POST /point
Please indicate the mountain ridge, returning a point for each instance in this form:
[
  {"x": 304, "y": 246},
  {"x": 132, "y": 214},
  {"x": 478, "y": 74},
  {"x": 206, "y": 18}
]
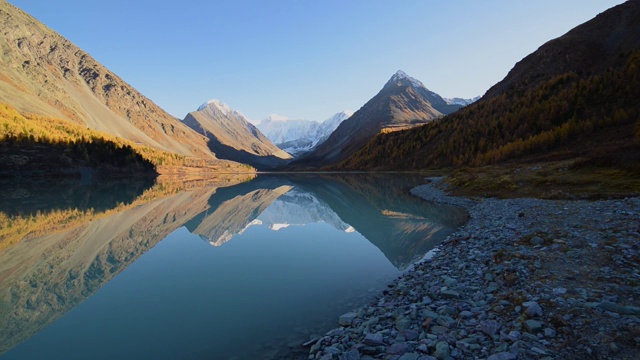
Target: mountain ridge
[
  {"x": 42, "y": 72},
  {"x": 297, "y": 136},
  {"x": 402, "y": 102},
  {"x": 232, "y": 136},
  {"x": 573, "y": 98}
]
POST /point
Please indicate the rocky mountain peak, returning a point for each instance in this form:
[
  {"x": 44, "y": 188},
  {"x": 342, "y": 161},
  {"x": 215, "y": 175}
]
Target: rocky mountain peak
[
  {"x": 402, "y": 77},
  {"x": 216, "y": 105},
  {"x": 232, "y": 136},
  {"x": 339, "y": 117}
]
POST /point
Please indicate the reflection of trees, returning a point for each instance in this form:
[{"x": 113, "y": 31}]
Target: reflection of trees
[
  {"x": 68, "y": 254},
  {"x": 50, "y": 271},
  {"x": 32, "y": 209}
]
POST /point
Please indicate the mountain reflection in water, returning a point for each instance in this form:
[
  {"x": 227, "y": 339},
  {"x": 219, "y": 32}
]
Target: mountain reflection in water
[{"x": 47, "y": 274}]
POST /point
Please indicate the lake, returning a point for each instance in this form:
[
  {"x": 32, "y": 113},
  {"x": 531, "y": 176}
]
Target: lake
[{"x": 232, "y": 268}]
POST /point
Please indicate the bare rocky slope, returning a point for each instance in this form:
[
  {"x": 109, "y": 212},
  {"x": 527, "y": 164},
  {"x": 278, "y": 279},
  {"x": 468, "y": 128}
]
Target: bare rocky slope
[
  {"x": 42, "y": 72},
  {"x": 231, "y": 136}
]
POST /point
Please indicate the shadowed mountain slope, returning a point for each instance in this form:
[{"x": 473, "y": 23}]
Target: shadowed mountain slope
[{"x": 403, "y": 102}]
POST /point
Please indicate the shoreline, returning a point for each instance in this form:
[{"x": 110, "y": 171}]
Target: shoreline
[{"x": 523, "y": 279}]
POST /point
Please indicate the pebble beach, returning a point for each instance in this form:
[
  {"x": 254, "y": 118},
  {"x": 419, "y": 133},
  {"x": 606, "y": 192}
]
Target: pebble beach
[{"x": 523, "y": 279}]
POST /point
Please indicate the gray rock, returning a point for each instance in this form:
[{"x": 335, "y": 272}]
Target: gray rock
[
  {"x": 502, "y": 356},
  {"x": 373, "y": 339},
  {"x": 426, "y": 357},
  {"x": 411, "y": 335},
  {"x": 314, "y": 349},
  {"x": 559, "y": 291},
  {"x": 549, "y": 333},
  {"x": 449, "y": 294},
  {"x": 429, "y": 314},
  {"x": 532, "y": 309},
  {"x": 371, "y": 322},
  {"x": 478, "y": 296},
  {"x": 398, "y": 348},
  {"x": 493, "y": 287},
  {"x": 533, "y": 326},
  {"x": 403, "y": 324},
  {"x": 333, "y": 349},
  {"x": 410, "y": 356},
  {"x": 371, "y": 350},
  {"x": 442, "y": 350},
  {"x": 536, "y": 240},
  {"x": 450, "y": 282},
  {"x": 347, "y": 319},
  {"x": 514, "y": 335},
  {"x": 490, "y": 327},
  {"x": 438, "y": 330},
  {"x": 310, "y": 342},
  {"x": 633, "y": 309},
  {"x": 613, "y": 307},
  {"x": 466, "y": 314},
  {"x": 352, "y": 354}
]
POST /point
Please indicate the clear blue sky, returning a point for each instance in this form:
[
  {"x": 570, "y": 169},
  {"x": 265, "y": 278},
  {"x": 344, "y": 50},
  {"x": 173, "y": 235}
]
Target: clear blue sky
[{"x": 303, "y": 58}]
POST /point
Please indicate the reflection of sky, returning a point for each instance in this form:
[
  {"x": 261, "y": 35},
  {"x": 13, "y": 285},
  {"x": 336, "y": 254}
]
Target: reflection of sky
[{"x": 185, "y": 299}]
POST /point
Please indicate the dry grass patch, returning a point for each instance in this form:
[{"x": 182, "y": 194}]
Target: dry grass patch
[{"x": 548, "y": 180}]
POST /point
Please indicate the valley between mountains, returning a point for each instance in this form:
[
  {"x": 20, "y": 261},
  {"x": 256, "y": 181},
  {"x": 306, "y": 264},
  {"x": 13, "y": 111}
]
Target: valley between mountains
[
  {"x": 577, "y": 115},
  {"x": 544, "y": 167}
]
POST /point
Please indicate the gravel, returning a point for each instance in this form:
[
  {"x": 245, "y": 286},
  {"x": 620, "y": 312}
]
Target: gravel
[{"x": 523, "y": 279}]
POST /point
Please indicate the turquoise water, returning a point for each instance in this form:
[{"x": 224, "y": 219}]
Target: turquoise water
[{"x": 247, "y": 271}]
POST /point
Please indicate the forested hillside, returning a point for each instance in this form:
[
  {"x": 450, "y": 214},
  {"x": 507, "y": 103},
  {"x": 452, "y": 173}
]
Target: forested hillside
[
  {"x": 42, "y": 145},
  {"x": 565, "y": 111},
  {"x": 576, "y": 97}
]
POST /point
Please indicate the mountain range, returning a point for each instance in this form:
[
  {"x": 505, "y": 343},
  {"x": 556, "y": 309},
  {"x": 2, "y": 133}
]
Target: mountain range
[
  {"x": 297, "y": 136},
  {"x": 575, "y": 98},
  {"x": 461, "y": 101},
  {"x": 43, "y": 73},
  {"x": 403, "y": 102}
]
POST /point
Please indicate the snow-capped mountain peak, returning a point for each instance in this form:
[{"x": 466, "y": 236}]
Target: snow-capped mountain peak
[
  {"x": 297, "y": 136},
  {"x": 461, "y": 101},
  {"x": 400, "y": 75},
  {"x": 339, "y": 117},
  {"x": 222, "y": 107}
]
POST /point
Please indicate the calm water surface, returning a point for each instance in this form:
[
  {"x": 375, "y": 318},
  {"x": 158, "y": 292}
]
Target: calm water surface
[{"x": 241, "y": 271}]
